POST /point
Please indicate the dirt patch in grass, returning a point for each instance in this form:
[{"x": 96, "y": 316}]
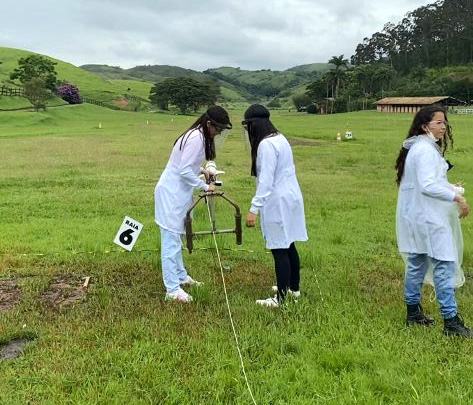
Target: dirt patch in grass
[
  {"x": 9, "y": 294},
  {"x": 383, "y": 285},
  {"x": 121, "y": 102},
  {"x": 304, "y": 142},
  {"x": 64, "y": 290},
  {"x": 7, "y": 262},
  {"x": 246, "y": 278},
  {"x": 12, "y": 349}
]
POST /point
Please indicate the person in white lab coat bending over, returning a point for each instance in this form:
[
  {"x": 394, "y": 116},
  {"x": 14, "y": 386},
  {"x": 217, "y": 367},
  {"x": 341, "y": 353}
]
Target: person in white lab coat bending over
[
  {"x": 173, "y": 194},
  {"x": 278, "y": 200},
  {"x": 427, "y": 220}
]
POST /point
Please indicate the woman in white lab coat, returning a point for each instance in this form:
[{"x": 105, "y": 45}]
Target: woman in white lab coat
[
  {"x": 173, "y": 194},
  {"x": 278, "y": 200},
  {"x": 427, "y": 220}
]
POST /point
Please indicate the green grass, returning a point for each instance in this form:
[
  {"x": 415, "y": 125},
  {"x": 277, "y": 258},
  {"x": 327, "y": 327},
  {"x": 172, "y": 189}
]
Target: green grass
[
  {"x": 66, "y": 186},
  {"x": 135, "y": 87},
  {"x": 230, "y": 95},
  {"x": 16, "y": 103},
  {"x": 13, "y": 103}
]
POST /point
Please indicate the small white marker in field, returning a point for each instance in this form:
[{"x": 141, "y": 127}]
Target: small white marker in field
[
  {"x": 172, "y": 119},
  {"x": 147, "y": 122},
  {"x": 100, "y": 125},
  {"x": 86, "y": 282},
  {"x": 128, "y": 233}
]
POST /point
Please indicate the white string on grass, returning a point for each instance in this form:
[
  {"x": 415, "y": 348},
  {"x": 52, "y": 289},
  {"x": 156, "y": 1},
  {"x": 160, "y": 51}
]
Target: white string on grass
[
  {"x": 318, "y": 285},
  {"x": 230, "y": 312}
]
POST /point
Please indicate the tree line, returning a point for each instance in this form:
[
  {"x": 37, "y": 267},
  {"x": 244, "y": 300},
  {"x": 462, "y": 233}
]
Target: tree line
[
  {"x": 436, "y": 35},
  {"x": 430, "y": 52}
]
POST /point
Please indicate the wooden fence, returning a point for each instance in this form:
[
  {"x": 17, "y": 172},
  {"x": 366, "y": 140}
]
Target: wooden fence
[
  {"x": 12, "y": 91},
  {"x": 135, "y": 98},
  {"x": 19, "y": 92},
  {"x": 99, "y": 103},
  {"x": 465, "y": 111}
]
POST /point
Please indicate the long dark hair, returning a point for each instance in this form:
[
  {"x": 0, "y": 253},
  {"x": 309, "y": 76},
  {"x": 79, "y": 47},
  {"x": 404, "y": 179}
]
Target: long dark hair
[
  {"x": 423, "y": 117},
  {"x": 219, "y": 118},
  {"x": 259, "y": 127}
]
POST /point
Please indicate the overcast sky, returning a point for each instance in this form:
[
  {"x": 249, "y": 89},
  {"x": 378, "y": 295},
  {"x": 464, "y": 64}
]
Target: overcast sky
[{"x": 257, "y": 34}]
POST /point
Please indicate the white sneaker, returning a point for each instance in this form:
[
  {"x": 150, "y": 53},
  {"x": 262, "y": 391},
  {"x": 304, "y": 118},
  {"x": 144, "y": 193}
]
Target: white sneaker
[
  {"x": 269, "y": 302},
  {"x": 179, "y": 295},
  {"x": 190, "y": 281},
  {"x": 295, "y": 294}
]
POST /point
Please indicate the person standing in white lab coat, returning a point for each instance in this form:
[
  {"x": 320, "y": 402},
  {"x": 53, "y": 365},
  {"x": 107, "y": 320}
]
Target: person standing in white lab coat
[
  {"x": 173, "y": 195},
  {"x": 278, "y": 200},
  {"x": 427, "y": 220}
]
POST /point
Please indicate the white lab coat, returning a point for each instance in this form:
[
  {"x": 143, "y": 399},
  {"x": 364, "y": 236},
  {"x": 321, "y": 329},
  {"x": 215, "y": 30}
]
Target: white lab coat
[
  {"x": 427, "y": 219},
  {"x": 278, "y": 198},
  {"x": 173, "y": 192}
]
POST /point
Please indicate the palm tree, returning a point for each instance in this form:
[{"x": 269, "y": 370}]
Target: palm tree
[
  {"x": 383, "y": 75},
  {"x": 341, "y": 65}
]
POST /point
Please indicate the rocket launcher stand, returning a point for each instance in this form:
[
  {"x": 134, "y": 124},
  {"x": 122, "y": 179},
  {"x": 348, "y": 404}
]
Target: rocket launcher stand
[{"x": 209, "y": 199}]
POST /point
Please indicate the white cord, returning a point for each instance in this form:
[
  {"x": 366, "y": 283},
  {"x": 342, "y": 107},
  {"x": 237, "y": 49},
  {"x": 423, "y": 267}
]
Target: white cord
[
  {"x": 318, "y": 285},
  {"x": 230, "y": 312}
]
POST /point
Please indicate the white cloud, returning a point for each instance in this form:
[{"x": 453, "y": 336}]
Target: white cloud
[{"x": 256, "y": 34}]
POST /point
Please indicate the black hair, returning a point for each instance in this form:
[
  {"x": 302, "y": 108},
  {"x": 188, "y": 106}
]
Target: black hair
[
  {"x": 219, "y": 118},
  {"x": 259, "y": 127},
  {"x": 423, "y": 117}
]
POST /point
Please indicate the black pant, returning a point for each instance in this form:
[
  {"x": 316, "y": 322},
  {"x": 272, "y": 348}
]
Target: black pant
[{"x": 286, "y": 264}]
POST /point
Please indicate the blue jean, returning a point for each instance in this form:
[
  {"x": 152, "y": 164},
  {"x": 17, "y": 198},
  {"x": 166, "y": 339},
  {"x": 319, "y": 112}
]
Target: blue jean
[
  {"x": 443, "y": 272},
  {"x": 172, "y": 265}
]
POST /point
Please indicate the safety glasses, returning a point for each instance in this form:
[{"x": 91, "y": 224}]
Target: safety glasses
[{"x": 438, "y": 123}]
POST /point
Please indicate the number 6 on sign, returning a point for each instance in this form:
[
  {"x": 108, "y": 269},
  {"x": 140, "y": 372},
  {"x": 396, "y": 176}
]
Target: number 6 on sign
[{"x": 128, "y": 233}]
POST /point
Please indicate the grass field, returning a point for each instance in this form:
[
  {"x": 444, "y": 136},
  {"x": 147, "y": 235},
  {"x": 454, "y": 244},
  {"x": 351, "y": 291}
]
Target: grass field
[{"x": 65, "y": 186}]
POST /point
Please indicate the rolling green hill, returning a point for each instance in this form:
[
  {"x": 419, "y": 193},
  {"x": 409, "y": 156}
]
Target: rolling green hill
[
  {"x": 150, "y": 73},
  {"x": 310, "y": 69},
  {"x": 266, "y": 83},
  {"x": 90, "y": 85},
  {"x": 110, "y": 83},
  {"x": 157, "y": 73},
  {"x": 237, "y": 85}
]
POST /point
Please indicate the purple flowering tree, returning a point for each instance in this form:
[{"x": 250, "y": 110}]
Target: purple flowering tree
[{"x": 69, "y": 93}]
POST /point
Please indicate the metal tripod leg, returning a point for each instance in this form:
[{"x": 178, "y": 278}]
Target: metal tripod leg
[{"x": 210, "y": 199}]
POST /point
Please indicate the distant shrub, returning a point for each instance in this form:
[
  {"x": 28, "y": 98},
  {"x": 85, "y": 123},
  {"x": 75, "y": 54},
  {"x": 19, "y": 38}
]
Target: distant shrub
[
  {"x": 301, "y": 101},
  {"x": 274, "y": 103},
  {"x": 312, "y": 109},
  {"x": 68, "y": 92}
]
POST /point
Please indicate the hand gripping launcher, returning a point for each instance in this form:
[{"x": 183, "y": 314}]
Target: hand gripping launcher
[{"x": 209, "y": 198}]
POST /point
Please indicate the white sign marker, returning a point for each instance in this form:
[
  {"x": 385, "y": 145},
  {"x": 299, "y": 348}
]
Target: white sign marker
[{"x": 128, "y": 233}]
